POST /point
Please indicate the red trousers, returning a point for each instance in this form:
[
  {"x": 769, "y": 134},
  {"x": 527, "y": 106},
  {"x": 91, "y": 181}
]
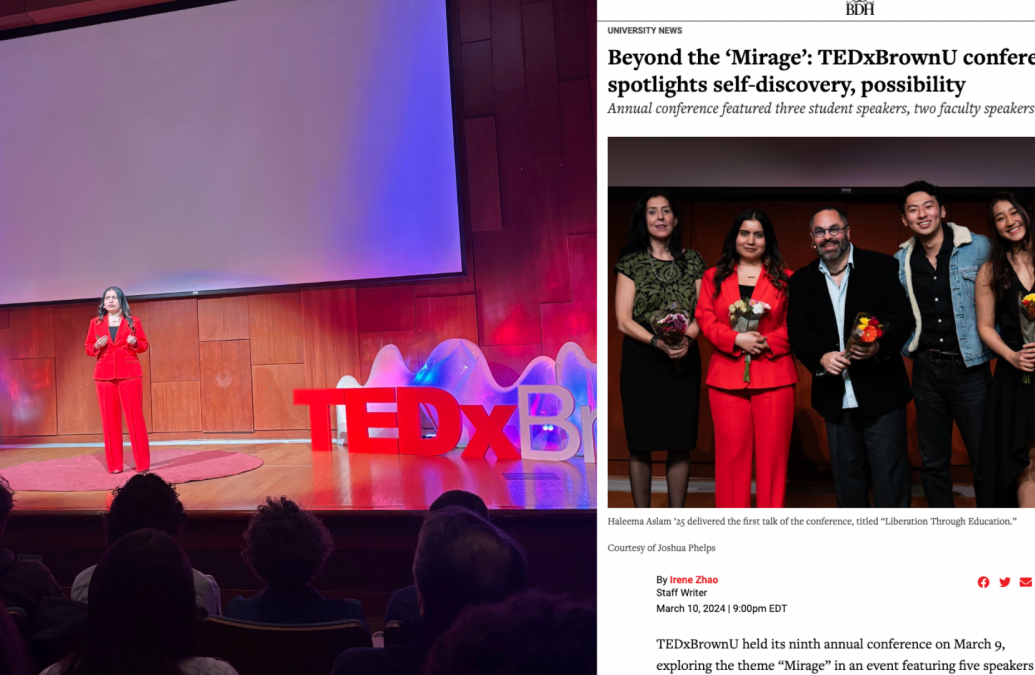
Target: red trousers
[
  {"x": 751, "y": 418},
  {"x": 115, "y": 396}
]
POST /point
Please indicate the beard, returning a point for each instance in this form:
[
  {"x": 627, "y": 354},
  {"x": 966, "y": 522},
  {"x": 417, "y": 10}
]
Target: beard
[{"x": 832, "y": 254}]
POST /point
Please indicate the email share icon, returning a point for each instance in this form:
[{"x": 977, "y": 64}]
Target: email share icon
[{"x": 1025, "y": 582}]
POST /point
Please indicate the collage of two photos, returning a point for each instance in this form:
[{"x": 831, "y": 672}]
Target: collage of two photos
[{"x": 298, "y": 345}]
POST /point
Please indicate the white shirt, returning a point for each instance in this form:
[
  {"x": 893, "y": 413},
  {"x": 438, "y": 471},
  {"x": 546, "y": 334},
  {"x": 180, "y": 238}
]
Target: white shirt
[
  {"x": 206, "y": 590},
  {"x": 837, "y": 298}
]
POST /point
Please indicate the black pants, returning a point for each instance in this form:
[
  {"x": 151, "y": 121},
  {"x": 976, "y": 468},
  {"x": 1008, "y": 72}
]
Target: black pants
[
  {"x": 878, "y": 443},
  {"x": 946, "y": 391}
]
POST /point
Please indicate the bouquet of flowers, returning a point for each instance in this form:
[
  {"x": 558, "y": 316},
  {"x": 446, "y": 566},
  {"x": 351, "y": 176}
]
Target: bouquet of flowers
[
  {"x": 670, "y": 325},
  {"x": 744, "y": 318},
  {"x": 866, "y": 329},
  {"x": 1027, "y": 306}
]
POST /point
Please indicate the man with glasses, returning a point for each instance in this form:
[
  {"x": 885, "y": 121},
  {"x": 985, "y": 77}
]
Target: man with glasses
[
  {"x": 861, "y": 393},
  {"x": 951, "y": 376}
]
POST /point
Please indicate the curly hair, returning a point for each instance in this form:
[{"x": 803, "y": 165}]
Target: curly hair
[
  {"x": 285, "y": 545},
  {"x": 144, "y": 501},
  {"x": 6, "y": 501},
  {"x": 529, "y": 634}
]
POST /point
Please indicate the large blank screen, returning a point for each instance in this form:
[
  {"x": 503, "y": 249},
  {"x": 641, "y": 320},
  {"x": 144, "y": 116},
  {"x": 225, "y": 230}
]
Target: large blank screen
[{"x": 245, "y": 144}]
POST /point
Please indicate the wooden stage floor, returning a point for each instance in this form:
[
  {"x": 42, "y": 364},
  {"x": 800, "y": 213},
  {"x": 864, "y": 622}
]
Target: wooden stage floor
[{"x": 341, "y": 481}]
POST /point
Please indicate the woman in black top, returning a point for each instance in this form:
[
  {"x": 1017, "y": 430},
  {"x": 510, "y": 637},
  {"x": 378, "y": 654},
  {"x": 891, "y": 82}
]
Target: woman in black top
[
  {"x": 1008, "y": 447},
  {"x": 660, "y": 402}
]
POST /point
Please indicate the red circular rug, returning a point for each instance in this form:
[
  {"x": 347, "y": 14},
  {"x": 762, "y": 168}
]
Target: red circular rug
[{"x": 89, "y": 472}]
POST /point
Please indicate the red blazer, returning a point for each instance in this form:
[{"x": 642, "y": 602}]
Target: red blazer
[
  {"x": 775, "y": 367},
  {"x": 116, "y": 360}
]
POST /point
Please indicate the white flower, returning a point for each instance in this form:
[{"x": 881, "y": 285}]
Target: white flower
[{"x": 759, "y": 309}]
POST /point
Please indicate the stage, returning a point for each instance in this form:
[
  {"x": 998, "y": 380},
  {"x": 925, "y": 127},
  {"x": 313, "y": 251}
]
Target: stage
[
  {"x": 372, "y": 504},
  {"x": 338, "y": 480}
]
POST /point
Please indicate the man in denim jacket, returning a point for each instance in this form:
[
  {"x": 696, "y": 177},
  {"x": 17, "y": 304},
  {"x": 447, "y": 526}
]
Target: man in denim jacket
[{"x": 951, "y": 376}]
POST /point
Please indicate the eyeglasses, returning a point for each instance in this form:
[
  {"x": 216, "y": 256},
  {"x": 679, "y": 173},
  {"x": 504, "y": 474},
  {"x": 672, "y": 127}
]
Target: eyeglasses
[{"x": 819, "y": 232}]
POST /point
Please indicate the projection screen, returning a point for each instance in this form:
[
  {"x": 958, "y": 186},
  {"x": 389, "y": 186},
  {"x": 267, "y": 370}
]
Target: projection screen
[{"x": 246, "y": 144}]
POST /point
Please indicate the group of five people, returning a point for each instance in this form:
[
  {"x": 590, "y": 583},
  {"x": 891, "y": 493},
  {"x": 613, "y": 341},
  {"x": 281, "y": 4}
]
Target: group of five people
[{"x": 950, "y": 299}]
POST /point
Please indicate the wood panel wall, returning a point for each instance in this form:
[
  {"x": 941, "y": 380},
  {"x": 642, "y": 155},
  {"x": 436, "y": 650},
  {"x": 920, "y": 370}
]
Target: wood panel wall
[
  {"x": 874, "y": 226},
  {"x": 226, "y": 365}
]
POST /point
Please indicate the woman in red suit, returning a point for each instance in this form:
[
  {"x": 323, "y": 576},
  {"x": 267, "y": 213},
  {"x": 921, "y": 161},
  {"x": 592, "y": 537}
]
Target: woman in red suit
[
  {"x": 115, "y": 338},
  {"x": 756, "y": 414}
]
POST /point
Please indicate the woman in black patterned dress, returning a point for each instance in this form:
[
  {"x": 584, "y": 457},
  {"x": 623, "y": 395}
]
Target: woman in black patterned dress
[{"x": 660, "y": 401}]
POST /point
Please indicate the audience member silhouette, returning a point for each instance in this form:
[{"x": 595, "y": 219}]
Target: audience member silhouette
[
  {"x": 403, "y": 604},
  {"x": 23, "y": 584},
  {"x": 286, "y": 547},
  {"x": 461, "y": 560},
  {"x": 147, "y": 501},
  {"x": 529, "y": 634},
  {"x": 141, "y": 615}
]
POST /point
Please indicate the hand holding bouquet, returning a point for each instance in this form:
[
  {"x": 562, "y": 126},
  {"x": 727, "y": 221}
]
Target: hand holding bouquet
[
  {"x": 866, "y": 330},
  {"x": 1026, "y": 303},
  {"x": 744, "y": 318},
  {"x": 670, "y": 325}
]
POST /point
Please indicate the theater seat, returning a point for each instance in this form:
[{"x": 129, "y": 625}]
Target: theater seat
[
  {"x": 274, "y": 649},
  {"x": 398, "y": 633},
  {"x": 19, "y": 618},
  {"x": 393, "y": 634}
]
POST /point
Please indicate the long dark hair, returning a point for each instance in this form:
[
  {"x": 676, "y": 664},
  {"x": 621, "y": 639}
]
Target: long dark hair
[
  {"x": 141, "y": 616},
  {"x": 771, "y": 259},
  {"x": 1001, "y": 248},
  {"x": 123, "y": 306},
  {"x": 639, "y": 240}
]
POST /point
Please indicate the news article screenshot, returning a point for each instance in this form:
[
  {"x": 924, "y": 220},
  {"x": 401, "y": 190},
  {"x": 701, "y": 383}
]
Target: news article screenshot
[{"x": 819, "y": 294}]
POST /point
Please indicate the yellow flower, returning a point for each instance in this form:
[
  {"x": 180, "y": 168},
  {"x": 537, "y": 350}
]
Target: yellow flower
[
  {"x": 864, "y": 322},
  {"x": 1030, "y": 297}
]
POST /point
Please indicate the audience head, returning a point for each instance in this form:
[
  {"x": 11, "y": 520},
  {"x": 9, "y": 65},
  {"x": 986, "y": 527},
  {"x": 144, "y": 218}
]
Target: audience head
[
  {"x": 529, "y": 634},
  {"x": 285, "y": 545},
  {"x": 463, "y": 499},
  {"x": 6, "y": 502},
  {"x": 141, "y": 611},
  {"x": 144, "y": 501},
  {"x": 463, "y": 560}
]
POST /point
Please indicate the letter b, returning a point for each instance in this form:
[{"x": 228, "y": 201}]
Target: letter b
[{"x": 527, "y": 421}]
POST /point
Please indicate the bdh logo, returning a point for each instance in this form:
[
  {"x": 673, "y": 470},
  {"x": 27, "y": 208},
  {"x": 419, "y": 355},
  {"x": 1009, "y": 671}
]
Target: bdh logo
[{"x": 859, "y": 8}]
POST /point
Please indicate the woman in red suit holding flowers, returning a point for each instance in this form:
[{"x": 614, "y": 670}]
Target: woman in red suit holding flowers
[
  {"x": 115, "y": 338},
  {"x": 751, "y": 374}
]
